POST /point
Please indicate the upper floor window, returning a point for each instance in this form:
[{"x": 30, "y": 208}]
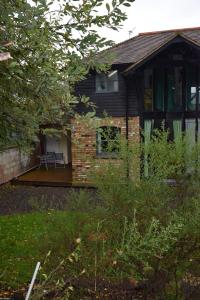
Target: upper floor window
[
  {"x": 172, "y": 89},
  {"x": 107, "y": 140},
  {"x": 192, "y": 88},
  {"x": 175, "y": 89},
  {"x": 148, "y": 89},
  {"x": 107, "y": 83}
]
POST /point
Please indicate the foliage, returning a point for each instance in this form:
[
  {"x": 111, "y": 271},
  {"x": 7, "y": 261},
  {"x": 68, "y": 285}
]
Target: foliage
[
  {"x": 146, "y": 232},
  {"x": 84, "y": 200},
  {"x": 155, "y": 224},
  {"x": 53, "y": 45}
]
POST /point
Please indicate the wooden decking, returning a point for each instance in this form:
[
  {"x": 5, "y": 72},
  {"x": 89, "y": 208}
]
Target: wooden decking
[{"x": 42, "y": 177}]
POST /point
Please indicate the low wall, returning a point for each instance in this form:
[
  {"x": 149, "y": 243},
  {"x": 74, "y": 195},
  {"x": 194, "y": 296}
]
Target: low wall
[{"x": 12, "y": 163}]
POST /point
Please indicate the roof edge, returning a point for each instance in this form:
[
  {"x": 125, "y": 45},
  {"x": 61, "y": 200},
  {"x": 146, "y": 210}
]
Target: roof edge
[
  {"x": 146, "y": 57},
  {"x": 152, "y": 52},
  {"x": 178, "y": 30}
]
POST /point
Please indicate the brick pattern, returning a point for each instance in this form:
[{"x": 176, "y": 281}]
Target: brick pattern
[
  {"x": 84, "y": 143},
  {"x": 12, "y": 163}
]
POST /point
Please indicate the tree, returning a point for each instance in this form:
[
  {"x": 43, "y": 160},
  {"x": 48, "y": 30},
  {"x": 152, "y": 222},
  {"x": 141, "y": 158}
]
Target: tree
[{"x": 53, "y": 45}]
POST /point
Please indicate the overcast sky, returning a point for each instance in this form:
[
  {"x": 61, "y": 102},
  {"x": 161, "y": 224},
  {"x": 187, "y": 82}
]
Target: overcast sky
[{"x": 152, "y": 15}]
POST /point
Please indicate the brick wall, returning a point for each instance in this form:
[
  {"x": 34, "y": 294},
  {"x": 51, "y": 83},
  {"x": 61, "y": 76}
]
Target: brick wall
[
  {"x": 84, "y": 143},
  {"x": 12, "y": 163}
]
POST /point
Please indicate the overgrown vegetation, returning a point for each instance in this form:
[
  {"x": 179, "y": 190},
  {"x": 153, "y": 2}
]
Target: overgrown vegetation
[
  {"x": 53, "y": 45},
  {"x": 146, "y": 231},
  {"x": 156, "y": 218}
]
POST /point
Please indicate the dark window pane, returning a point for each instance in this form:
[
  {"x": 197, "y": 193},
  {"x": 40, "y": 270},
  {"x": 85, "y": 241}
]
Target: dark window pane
[
  {"x": 191, "y": 88},
  {"x": 170, "y": 90},
  {"x": 178, "y": 88},
  {"x": 101, "y": 83},
  {"x": 148, "y": 90},
  {"x": 159, "y": 81},
  {"x": 175, "y": 89},
  {"x": 106, "y": 83}
]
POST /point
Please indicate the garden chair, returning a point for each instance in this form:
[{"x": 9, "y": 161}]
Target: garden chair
[
  {"x": 59, "y": 160},
  {"x": 51, "y": 158}
]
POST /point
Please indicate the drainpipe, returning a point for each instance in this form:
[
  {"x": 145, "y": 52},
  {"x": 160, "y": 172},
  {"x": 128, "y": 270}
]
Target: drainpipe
[{"x": 127, "y": 124}]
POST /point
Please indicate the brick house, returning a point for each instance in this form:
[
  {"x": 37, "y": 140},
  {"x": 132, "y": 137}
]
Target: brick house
[{"x": 155, "y": 77}]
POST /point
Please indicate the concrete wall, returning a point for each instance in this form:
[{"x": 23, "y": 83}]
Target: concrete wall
[{"x": 12, "y": 163}]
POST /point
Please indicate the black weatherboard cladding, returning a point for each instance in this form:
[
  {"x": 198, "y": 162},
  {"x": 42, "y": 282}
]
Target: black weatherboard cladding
[
  {"x": 128, "y": 55},
  {"x": 114, "y": 103}
]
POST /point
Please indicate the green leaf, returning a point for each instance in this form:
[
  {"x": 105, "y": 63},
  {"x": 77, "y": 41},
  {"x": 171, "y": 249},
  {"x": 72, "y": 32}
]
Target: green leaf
[{"x": 108, "y": 7}]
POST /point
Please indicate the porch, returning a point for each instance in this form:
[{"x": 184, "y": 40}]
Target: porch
[{"x": 46, "y": 177}]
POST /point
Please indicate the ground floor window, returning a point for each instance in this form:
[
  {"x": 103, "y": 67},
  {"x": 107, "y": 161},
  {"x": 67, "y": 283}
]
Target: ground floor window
[
  {"x": 189, "y": 127},
  {"x": 107, "y": 140}
]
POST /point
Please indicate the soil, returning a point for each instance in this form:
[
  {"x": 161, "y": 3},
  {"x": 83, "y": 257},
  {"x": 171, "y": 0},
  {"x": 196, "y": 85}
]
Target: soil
[
  {"x": 85, "y": 289},
  {"x": 23, "y": 199}
]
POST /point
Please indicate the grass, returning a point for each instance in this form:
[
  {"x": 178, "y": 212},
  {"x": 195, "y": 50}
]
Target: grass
[{"x": 26, "y": 239}]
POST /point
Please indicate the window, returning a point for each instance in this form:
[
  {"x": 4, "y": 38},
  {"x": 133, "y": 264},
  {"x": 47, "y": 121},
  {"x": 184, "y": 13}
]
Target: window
[
  {"x": 177, "y": 129},
  {"x": 107, "y": 83},
  {"x": 159, "y": 83},
  {"x": 175, "y": 89},
  {"x": 190, "y": 132},
  {"x": 107, "y": 140},
  {"x": 148, "y": 90},
  {"x": 191, "y": 87}
]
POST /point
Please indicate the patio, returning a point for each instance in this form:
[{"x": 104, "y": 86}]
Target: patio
[{"x": 43, "y": 177}]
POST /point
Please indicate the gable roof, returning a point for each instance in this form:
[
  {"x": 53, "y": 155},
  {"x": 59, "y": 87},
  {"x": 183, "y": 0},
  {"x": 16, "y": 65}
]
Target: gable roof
[{"x": 142, "y": 46}]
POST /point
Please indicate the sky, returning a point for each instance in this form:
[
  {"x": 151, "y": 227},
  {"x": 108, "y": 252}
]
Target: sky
[{"x": 152, "y": 15}]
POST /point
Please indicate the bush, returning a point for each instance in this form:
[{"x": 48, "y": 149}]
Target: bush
[{"x": 155, "y": 225}]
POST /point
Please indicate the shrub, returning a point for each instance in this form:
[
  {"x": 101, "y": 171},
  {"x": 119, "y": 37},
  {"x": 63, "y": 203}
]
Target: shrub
[{"x": 155, "y": 225}]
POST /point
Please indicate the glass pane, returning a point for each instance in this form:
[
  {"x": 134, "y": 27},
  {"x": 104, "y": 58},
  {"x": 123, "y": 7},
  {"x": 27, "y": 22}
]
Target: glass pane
[
  {"x": 177, "y": 129},
  {"x": 175, "y": 89},
  {"x": 112, "y": 86},
  {"x": 148, "y": 126},
  {"x": 190, "y": 132},
  {"x": 170, "y": 90},
  {"x": 159, "y": 81},
  {"x": 191, "y": 87},
  {"x": 108, "y": 139},
  {"x": 107, "y": 82},
  {"x": 101, "y": 83},
  {"x": 113, "y": 81},
  {"x": 148, "y": 90},
  {"x": 178, "y": 88},
  {"x": 115, "y": 86}
]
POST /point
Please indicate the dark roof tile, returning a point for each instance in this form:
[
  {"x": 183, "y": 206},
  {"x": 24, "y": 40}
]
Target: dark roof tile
[{"x": 141, "y": 46}]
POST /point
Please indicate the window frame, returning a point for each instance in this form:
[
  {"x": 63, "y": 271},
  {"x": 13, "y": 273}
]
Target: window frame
[
  {"x": 100, "y": 153},
  {"x": 107, "y": 80}
]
